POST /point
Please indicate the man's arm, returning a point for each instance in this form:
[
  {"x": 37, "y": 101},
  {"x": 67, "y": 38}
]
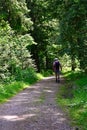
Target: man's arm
[
  {"x": 54, "y": 66},
  {"x": 61, "y": 67}
]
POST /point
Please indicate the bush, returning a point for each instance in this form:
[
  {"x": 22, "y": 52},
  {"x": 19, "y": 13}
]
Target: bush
[
  {"x": 29, "y": 75},
  {"x": 76, "y": 104},
  {"x": 46, "y": 73},
  {"x": 18, "y": 82}
]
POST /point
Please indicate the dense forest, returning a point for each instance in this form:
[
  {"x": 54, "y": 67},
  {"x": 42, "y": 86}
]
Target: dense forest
[{"x": 33, "y": 32}]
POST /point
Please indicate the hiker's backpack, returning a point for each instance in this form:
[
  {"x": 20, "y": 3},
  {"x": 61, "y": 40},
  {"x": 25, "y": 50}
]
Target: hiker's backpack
[{"x": 57, "y": 64}]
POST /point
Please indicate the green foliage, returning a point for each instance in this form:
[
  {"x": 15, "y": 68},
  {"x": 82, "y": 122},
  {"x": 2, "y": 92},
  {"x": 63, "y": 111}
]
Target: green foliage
[
  {"x": 44, "y": 28},
  {"x": 13, "y": 51},
  {"x": 70, "y": 75},
  {"x": 46, "y": 73},
  {"x": 22, "y": 80},
  {"x": 28, "y": 75},
  {"x": 8, "y": 90},
  {"x": 61, "y": 23},
  {"x": 15, "y": 12},
  {"x": 73, "y": 96},
  {"x": 13, "y": 44},
  {"x": 72, "y": 16}
]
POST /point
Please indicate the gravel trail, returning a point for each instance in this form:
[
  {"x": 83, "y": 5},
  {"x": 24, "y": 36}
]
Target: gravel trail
[{"x": 34, "y": 109}]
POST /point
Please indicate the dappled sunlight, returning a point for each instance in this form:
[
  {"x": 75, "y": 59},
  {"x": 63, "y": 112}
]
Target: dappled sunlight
[
  {"x": 38, "y": 92},
  {"x": 16, "y": 117},
  {"x": 59, "y": 121},
  {"x": 24, "y": 94},
  {"x": 49, "y": 91},
  {"x": 49, "y": 78},
  {"x": 35, "y": 106},
  {"x": 58, "y": 114},
  {"x": 35, "y": 114},
  {"x": 62, "y": 119}
]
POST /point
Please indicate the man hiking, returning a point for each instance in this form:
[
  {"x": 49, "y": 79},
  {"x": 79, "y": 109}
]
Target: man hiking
[{"x": 56, "y": 67}]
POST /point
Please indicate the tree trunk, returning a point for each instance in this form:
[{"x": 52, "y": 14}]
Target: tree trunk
[{"x": 73, "y": 66}]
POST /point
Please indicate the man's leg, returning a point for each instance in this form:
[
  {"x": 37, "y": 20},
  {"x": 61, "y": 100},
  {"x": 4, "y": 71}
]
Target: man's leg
[{"x": 58, "y": 77}]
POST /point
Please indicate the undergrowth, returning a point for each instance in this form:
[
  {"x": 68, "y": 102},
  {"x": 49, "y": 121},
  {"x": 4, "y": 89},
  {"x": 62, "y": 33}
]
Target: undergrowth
[
  {"x": 73, "y": 97},
  {"x": 13, "y": 85},
  {"x": 21, "y": 80}
]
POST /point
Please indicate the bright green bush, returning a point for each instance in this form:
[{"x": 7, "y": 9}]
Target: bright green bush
[
  {"x": 19, "y": 81},
  {"x": 28, "y": 75},
  {"x": 46, "y": 73}
]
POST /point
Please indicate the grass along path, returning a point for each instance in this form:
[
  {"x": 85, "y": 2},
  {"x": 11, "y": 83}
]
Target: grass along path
[
  {"x": 72, "y": 97},
  {"x": 34, "y": 108},
  {"x": 9, "y": 89}
]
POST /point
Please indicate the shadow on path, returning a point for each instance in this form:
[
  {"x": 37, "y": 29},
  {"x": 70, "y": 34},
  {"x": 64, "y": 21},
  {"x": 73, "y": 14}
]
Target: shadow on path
[{"x": 34, "y": 109}]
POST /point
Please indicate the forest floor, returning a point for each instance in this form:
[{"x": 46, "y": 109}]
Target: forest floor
[{"x": 35, "y": 108}]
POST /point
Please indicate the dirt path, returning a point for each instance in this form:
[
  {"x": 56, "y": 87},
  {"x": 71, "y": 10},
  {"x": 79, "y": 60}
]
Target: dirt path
[{"x": 34, "y": 109}]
